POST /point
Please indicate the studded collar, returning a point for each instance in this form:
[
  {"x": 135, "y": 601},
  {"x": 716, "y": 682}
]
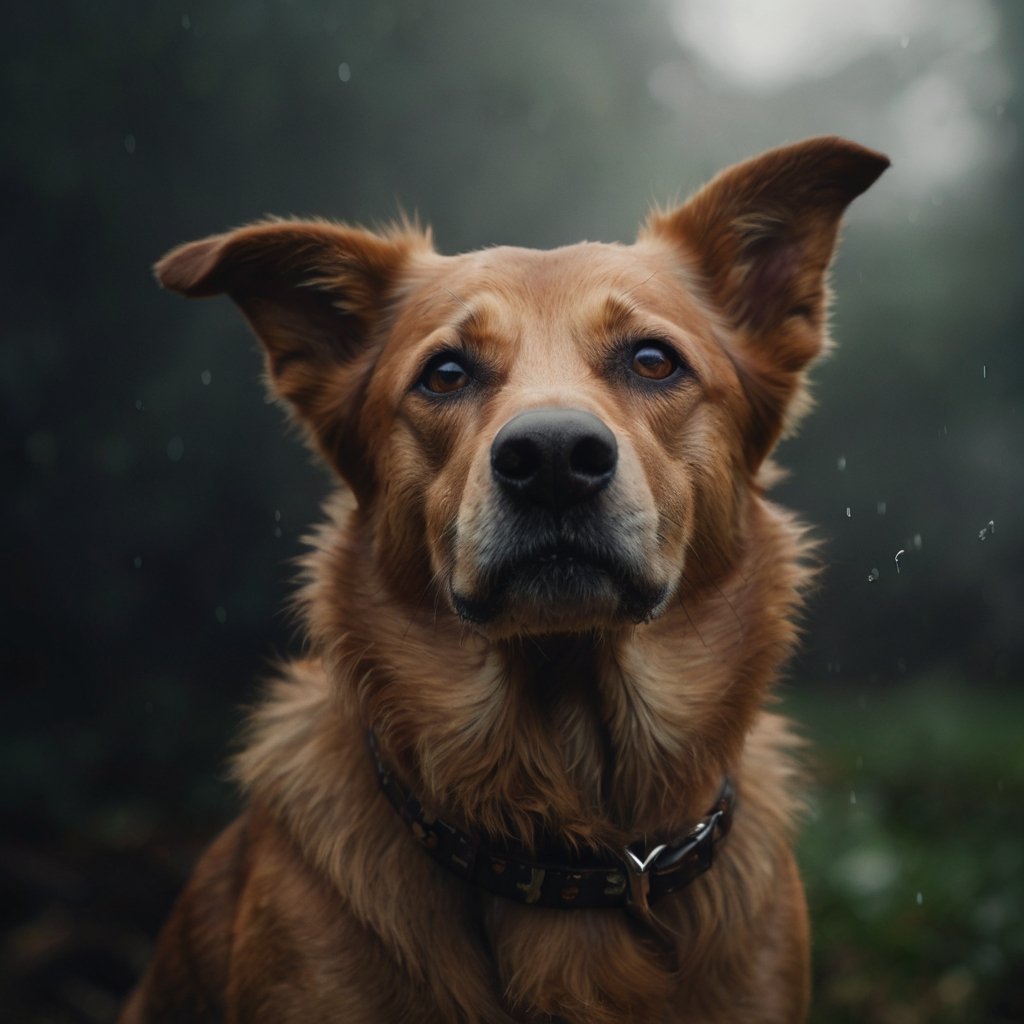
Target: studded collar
[{"x": 634, "y": 881}]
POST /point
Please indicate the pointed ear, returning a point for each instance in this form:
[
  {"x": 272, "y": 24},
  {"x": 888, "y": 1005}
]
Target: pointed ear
[
  {"x": 315, "y": 293},
  {"x": 761, "y": 235}
]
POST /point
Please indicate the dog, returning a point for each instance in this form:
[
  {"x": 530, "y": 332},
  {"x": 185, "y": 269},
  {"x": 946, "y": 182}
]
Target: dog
[{"x": 527, "y": 770}]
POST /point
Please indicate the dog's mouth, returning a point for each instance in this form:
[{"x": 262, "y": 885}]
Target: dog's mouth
[{"x": 560, "y": 585}]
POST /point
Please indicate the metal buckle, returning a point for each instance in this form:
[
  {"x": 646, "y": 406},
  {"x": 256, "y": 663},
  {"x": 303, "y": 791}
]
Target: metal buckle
[{"x": 638, "y": 896}]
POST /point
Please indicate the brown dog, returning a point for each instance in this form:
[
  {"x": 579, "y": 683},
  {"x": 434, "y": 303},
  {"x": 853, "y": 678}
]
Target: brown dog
[{"x": 544, "y": 618}]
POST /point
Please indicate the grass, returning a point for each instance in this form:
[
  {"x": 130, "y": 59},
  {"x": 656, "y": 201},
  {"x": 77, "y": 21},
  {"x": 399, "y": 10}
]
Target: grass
[{"x": 913, "y": 853}]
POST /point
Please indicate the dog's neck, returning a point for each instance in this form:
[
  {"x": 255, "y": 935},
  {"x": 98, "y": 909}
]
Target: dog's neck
[{"x": 595, "y": 738}]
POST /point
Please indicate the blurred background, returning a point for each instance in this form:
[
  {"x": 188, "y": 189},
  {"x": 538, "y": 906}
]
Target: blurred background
[{"x": 153, "y": 502}]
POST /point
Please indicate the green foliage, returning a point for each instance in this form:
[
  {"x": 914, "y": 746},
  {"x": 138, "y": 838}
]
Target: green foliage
[{"x": 913, "y": 856}]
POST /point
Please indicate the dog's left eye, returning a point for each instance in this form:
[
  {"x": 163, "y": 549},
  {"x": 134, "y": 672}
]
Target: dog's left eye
[
  {"x": 444, "y": 376},
  {"x": 654, "y": 362}
]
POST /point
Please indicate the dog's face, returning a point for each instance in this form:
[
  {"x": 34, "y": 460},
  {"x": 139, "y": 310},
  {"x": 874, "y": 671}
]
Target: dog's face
[
  {"x": 550, "y": 416},
  {"x": 551, "y": 442}
]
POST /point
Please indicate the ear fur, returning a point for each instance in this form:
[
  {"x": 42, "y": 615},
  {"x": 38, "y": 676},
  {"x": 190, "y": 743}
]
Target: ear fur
[
  {"x": 315, "y": 294},
  {"x": 762, "y": 234}
]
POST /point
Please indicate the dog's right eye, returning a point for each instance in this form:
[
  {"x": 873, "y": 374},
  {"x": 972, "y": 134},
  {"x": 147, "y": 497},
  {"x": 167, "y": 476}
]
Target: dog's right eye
[
  {"x": 444, "y": 376},
  {"x": 654, "y": 361}
]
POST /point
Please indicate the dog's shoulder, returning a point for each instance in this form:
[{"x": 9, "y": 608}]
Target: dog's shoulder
[{"x": 189, "y": 975}]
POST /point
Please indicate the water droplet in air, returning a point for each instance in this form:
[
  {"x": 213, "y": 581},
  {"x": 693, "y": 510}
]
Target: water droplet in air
[
  {"x": 129, "y": 144},
  {"x": 849, "y": 512},
  {"x": 220, "y": 614},
  {"x": 841, "y": 463},
  {"x": 853, "y": 797},
  {"x": 138, "y": 404},
  {"x": 917, "y": 542},
  {"x": 880, "y": 508},
  {"x": 873, "y": 575},
  {"x": 206, "y": 377},
  {"x": 904, "y": 42},
  {"x": 344, "y": 73},
  {"x": 899, "y": 554},
  {"x": 984, "y": 371},
  {"x": 137, "y": 561},
  {"x": 986, "y": 531},
  {"x": 920, "y": 898},
  {"x": 175, "y": 449},
  {"x": 186, "y": 22}
]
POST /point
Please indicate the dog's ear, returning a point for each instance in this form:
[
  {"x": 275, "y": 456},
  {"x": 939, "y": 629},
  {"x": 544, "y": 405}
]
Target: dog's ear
[
  {"x": 316, "y": 295},
  {"x": 762, "y": 234}
]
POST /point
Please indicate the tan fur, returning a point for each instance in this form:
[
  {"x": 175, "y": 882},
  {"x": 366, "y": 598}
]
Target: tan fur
[{"x": 547, "y": 719}]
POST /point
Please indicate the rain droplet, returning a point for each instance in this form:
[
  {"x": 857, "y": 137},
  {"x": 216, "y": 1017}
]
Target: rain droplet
[
  {"x": 853, "y": 797},
  {"x": 849, "y": 512},
  {"x": 129, "y": 144},
  {"x": 917, "y": 542},
  {"x": 873, "y": 575},
  {"x": 138, "y": 404},
  {"x": 984, "y": 372},
  {"x": 899, "y": 555},
  {"x": 220, "y": 614},
  {"x": 880, "y": 508},
  {"x": 175, "y": 449},
  {"x": 344, "y": 73},
  {"x": 841, "y": 463},
  {"x": 206, "y": 377},
  {"x": 186, "y": 22},
  {"x": 137, "y": 561},
  {"x": 904, "y": 42},
  {"x": 986, "y": 531},
  {"x": 277, "y": 515},
  {"x": 920, "y": 898}
]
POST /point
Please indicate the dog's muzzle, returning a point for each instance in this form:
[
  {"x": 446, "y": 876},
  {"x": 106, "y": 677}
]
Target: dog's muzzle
[{"x": 555, "y": 550}]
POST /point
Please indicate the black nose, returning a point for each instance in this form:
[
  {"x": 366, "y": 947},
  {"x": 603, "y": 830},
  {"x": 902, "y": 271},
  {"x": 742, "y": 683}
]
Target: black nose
[{"x": 554, "y": 457}]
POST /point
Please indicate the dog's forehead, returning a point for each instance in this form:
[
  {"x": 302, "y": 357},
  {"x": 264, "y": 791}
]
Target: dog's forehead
[{"x": 512, "y": 287}]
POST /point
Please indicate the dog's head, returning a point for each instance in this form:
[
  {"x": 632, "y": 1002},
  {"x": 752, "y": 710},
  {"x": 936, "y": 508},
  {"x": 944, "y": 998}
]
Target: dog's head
[{"x": 557, "y": 441}]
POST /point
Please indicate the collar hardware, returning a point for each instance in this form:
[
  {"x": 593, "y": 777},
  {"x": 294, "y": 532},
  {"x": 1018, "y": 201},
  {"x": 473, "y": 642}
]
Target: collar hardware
[{"x": 634, "y": 882}]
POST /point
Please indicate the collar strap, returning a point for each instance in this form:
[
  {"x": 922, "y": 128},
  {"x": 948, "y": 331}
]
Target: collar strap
[{"x": 634, "y": 881}]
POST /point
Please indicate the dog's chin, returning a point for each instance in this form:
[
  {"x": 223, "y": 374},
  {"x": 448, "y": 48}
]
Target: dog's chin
[{"x": 558, "y": 595}]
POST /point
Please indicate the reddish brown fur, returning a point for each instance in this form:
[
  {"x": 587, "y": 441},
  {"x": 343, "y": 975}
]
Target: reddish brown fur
[{"x": 317, "y": 905}]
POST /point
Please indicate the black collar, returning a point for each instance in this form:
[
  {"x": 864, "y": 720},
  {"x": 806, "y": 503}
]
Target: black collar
[{"x": 634, "y": 881}]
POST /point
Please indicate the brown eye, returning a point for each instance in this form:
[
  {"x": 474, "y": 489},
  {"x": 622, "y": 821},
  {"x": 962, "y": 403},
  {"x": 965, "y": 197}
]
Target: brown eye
[
  {"x": 445, "y": 377},
  {"x": 654, "y": 362}
]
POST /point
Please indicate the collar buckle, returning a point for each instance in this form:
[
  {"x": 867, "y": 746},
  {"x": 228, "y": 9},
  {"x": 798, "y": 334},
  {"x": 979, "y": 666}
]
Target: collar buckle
[{"x": 638, "y": 894}]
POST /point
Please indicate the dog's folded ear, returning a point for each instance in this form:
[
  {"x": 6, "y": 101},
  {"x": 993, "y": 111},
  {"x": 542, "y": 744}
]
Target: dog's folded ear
[
  {"x": 762, "y": 234},
  {"x": 316, "y": 294}
]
